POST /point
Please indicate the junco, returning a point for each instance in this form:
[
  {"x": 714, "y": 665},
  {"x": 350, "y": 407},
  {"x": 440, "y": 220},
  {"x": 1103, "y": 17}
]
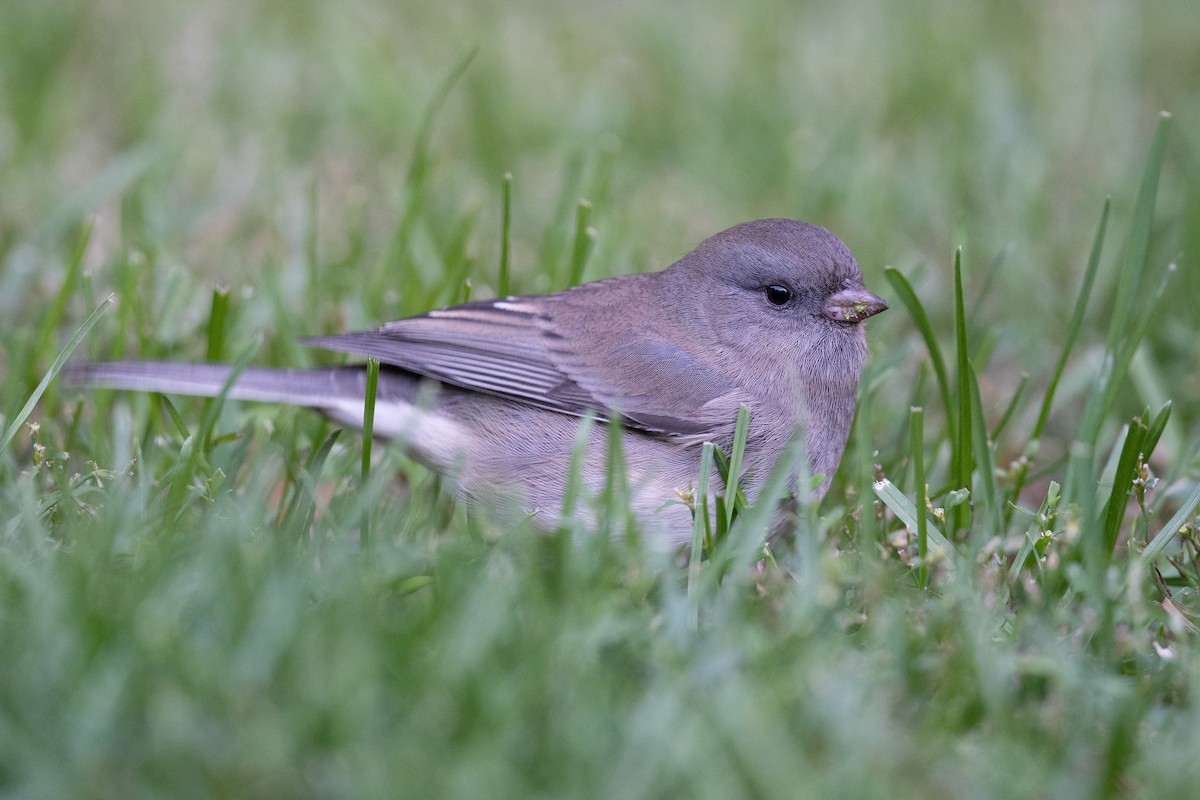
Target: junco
[{"x": 766, "y": 313}]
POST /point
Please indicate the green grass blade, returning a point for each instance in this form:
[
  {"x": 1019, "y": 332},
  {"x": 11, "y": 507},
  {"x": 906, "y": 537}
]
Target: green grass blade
[
  {"x": 618, "y": 514},
  {"x": 397, "y": 250},
  {"x": 1073, "y": 329},
  {"x": 1121, "y": 342},
  {"x": 218, "y": 317},
  {"x": 741, "y": 431},
  {"x": 63, "y": 355},
  {"x": 1167, "y": 533},
  {"x": 745, "y": 541},
  {"x": 701, "y": 533},
  {"x": 1155, "y": 430},
  {"x": 904, "y": 291},
  {"x": 1134, "y": 259},
  {"x": 1077, "y": 317},
  {"x": 987, "y": 493},
  {"x": 573, "y": 493},
  {"x": 1149, "y": 315},
  {"x": 917, "y": 450},
  {"x": 961, "y": 466},
  {"x": 1118, "y": 498},
  {"x": 312, "y": 250},
  {"x": 299, "y": 514},
  {"x": 906, "y": 512},
  {"x": 194, "y": 449},
  {"x": 502, "y": 289},
  {"x": 368, "y": 433},
  {"x": 1042, "y": 521},
  {"x": 585, "y": 238},
  {"x": 420, "y": 157},
  {"x": 51, "y": 319},
  {"x": 174, "y": 416},
  {"x": 1010, "y": 409}
]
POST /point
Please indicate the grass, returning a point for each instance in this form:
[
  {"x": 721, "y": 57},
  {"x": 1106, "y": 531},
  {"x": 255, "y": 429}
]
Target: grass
[{"x": 996, "y": 599}]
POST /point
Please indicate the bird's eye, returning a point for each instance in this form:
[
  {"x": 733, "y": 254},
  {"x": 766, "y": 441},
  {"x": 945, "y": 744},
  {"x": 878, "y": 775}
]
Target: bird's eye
[{"x": 778, "y": 295}]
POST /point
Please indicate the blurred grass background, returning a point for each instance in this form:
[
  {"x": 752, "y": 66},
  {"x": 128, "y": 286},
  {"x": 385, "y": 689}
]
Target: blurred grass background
[{"x": 316, "y": 159}]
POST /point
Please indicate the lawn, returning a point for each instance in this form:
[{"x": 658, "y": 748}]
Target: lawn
[{"x": 187, "y": 605}]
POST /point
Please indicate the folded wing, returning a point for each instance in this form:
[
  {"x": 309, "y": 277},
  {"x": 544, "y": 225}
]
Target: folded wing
[{"x": 560, "y": 355}]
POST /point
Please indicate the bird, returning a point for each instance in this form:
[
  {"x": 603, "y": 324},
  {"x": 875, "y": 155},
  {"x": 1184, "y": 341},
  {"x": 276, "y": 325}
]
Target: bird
[{"x": 491, "y": 393}]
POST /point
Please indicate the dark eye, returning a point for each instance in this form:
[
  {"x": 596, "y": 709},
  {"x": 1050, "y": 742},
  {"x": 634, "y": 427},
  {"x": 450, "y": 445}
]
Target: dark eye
[{"x": 778, "y": 295}]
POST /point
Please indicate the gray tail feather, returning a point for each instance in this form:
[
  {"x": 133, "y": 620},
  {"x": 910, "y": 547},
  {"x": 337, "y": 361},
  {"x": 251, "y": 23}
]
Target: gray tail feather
[{"x": 316, "y": 387}]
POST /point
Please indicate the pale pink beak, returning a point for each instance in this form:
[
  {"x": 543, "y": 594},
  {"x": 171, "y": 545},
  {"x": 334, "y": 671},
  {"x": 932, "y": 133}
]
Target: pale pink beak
[{"x": 854, "y": 305}]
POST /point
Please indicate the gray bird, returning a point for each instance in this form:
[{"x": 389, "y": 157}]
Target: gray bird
[{"x": 765, "y": 314}]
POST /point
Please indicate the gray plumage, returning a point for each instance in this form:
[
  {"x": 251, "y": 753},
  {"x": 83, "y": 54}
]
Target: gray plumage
[{"x": 766, "y": 313}]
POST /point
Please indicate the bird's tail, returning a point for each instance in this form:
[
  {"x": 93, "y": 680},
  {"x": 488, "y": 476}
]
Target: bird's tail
[
  {"x": 317, "y": 387},
  {"x": 402, "y": 409}
]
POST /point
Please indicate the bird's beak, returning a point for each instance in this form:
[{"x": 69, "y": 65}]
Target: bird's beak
[{"x": 854, "y": 305}]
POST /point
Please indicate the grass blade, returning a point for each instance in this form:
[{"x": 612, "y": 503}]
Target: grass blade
[
  {"x": 1121, "y": 344},
  {"x": 741, "y": 431},
  {"x": 397, "y": 250},
  {"x": 505, "y": 231},
  {"x": 53, "y": 317},
  {"x": 63, "y": 355},
  {"x": 572, "y": 493},
  {"x": 1017, "y": 396},
  {"x": 218, "y": 316},
  {"x": 1167, "y": 533},
  {"x": 1156, "y": 428},
  {"x": 908, "y": 297},
  {"x": 585, "y": 237},
  {"x": 1134, "y": 259},
  {"x": 616, "y": 501},
  {"x": 962, "y": 464},
  {"x": 1073, "y": 329},
  {"x": 906, "y": 512},
  {"x": 368, "y": 432},
  {"x": 298, "y": 515},
  {"x": 1042, "y": 521},
  {"x": 987, "y": 493},
  {"x": 701, "y": 532},
  {"x": 1114, "y": 509},
  {"x": 917, "y": 448}
]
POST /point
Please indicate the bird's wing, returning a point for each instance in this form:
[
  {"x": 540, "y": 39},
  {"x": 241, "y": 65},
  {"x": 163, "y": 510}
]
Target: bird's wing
[{"x": 520, "y": 349}]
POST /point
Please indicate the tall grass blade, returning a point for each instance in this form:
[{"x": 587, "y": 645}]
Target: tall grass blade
[
  {"x": 218, "y": 316},
  {"x": 574, "y": 490},
  {"x": 52, "y": 318},
  {"x": 368, "y": 433},
  {"x": 961, "y": 466},
  {"x": 745, "y": 540},
  {"x": 904, "y": 291},
  {"x": 1155, "y": 429},
  {"x": 1118, "y": 498},
  {"x": 917, "y": 450},
  {"x": 585, "y": 237},
  {"x": 63, "y": 355},
  {"x": 1134, "y": 259},
  {"x": 618, "y": 511},
  {"x": 1017, "y": 396},
  {"x": 1073, "y": 329},
  {"x": 987, "y": 493},
  {"x": 701, "y": 533},
  {"x": 418, "y": 170},
  {"x": 741, "y": 431},
  {"x": 502, "y": 289},
  {"x": 1121, "y": 342},
  {"x": 300, "y": 513}
]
